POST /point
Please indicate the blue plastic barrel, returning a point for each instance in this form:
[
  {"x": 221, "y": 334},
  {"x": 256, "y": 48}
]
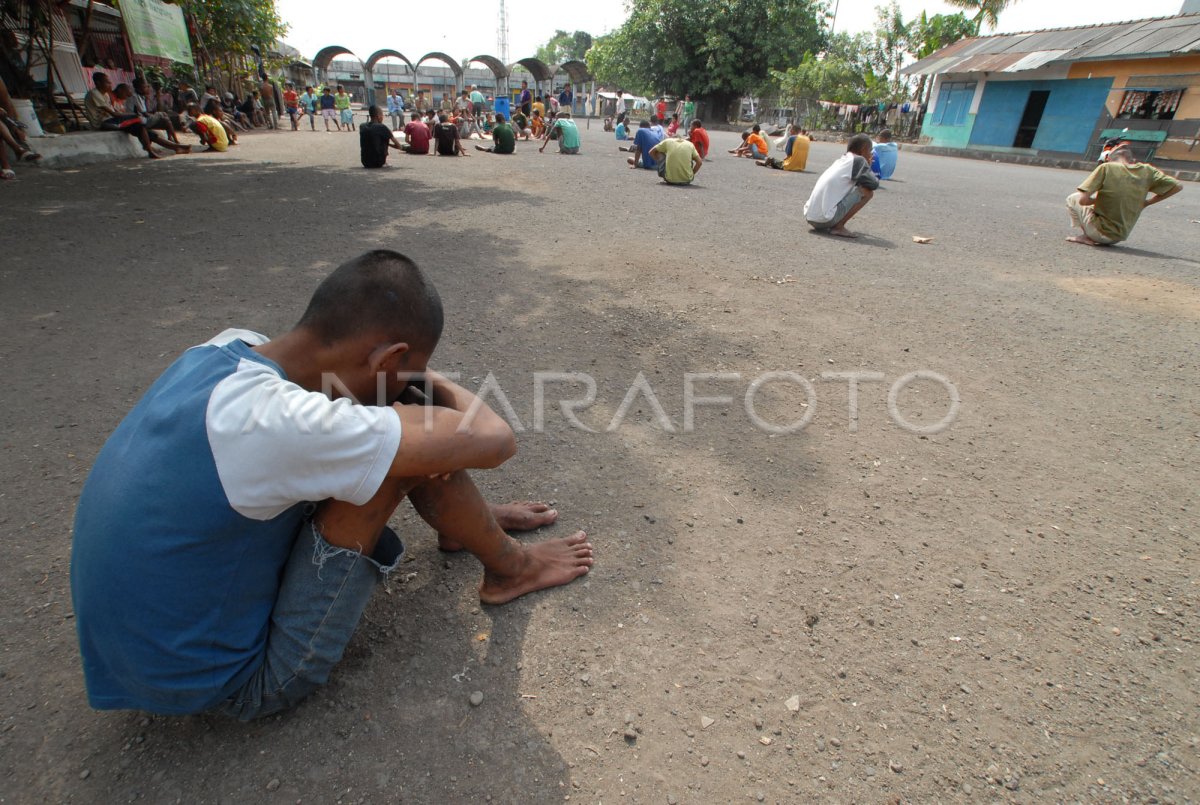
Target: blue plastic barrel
[{"x": 502, "y": 107}]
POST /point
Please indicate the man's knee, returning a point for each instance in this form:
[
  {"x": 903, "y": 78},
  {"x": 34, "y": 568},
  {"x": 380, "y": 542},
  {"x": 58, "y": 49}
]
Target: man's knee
[{"x": 866, "y": 193}]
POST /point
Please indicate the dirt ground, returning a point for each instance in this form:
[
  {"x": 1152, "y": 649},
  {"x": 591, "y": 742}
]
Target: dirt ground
[{"x": 1005, "y": 610}]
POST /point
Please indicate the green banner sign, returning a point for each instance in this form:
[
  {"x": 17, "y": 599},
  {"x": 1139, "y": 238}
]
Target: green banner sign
[{"x": 157, "y": 29}]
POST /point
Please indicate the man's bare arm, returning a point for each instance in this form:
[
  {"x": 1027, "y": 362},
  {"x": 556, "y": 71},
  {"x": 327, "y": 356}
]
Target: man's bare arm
[
  {"x": 456, "y": 431},
  {"x": 1157, "y": 197}
]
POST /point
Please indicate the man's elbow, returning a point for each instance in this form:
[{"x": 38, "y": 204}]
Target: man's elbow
[{"x": 502, "y": 445}]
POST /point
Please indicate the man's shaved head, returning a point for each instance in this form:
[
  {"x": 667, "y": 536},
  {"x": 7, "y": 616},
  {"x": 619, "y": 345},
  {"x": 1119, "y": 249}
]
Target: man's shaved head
[{"x": 381, "y": 292}]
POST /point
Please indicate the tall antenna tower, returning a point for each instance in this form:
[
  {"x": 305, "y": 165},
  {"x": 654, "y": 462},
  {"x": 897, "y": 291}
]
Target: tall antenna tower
[{"x": 502, "y": 35}]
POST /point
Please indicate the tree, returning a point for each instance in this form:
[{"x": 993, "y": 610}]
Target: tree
[
  {"x": 988, "y": 11},
  {"x": 614, "y": 63},
  {"x": 928, "y": 35},
  {"x": 564, "y": 46},
  {"x": 716, "y": 49},
  {"x": 844, "y": 72},
  {"x": 890, "y": 46},
  {"x": 229, "y": 28}
]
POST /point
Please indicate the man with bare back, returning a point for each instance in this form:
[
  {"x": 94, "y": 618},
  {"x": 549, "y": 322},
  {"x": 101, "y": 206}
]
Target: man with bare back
[{"x": 234, "y": 525}]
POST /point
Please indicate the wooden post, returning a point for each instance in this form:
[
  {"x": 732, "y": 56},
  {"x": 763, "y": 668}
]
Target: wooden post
[{"x": 87, "y": 29}]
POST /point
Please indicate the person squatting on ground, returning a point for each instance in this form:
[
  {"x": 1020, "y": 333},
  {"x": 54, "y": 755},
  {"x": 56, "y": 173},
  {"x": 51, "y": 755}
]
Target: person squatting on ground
[
  {"x": 843, "y": 189},
  {"x": 204, "y": 580},
  {"x": 504, "y": 139},
  {"x": 678, "y": 160},
  {"x": 1111, "y": 199},
  {"x": 212, "y": 131},
  {"x": 374, "y": 140},
  {"x": 565, "y": 131},
  {"x": 520, "y": 125}
]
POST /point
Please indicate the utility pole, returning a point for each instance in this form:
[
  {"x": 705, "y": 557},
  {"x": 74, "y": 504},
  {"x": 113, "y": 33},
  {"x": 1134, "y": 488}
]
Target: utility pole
[{"x": 502, "y": 35}]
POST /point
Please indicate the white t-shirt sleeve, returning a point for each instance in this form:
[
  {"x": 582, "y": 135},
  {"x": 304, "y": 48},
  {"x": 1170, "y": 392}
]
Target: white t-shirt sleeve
[{"x": 276, "y": 444}]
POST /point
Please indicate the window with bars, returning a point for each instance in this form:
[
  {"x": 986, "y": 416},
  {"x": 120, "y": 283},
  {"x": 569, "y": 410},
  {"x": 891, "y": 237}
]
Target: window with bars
[{"x": 1150, "y": 104}]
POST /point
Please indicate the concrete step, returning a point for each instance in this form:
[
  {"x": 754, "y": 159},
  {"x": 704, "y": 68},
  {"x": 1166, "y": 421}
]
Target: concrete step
[{"x": 85, "y": 148}]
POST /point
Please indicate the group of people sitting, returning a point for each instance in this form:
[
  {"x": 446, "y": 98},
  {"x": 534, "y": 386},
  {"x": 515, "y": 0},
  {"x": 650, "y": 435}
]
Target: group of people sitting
[
  {"x": 155, "y": 116},
  {"x": 663, "y": 149},
  {"x": 442, "y": 133}
]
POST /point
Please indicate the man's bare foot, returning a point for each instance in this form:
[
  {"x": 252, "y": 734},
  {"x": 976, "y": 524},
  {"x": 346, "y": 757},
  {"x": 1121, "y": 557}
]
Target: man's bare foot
[
  {"x": 842, "y": 232},
  {"x": 523, "y": 516},
  {"x": 552, "y": 563},
  {"x": 1084, "y": 239}
]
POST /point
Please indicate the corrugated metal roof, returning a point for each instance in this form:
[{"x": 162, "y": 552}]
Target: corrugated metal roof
[
  {"x": 1160, "y": 36},
  {"x": 1032, "y": 61}
]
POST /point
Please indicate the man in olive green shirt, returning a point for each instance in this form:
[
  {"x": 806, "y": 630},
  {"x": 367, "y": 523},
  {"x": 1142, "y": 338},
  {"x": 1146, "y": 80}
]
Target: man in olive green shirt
[
  {"x": 678, "y": 160},
  {"x": 1112, "y": 198}
]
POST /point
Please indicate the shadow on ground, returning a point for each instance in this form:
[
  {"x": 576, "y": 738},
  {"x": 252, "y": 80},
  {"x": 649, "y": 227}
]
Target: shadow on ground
[{"x": 232, "y": 244}]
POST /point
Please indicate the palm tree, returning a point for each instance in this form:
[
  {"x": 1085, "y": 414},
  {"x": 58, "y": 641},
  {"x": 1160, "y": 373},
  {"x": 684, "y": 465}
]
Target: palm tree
[{"x": 986, "y": 11}]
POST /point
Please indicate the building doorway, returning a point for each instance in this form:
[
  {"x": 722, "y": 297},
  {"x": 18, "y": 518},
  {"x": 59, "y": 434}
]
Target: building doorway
[{"x": 1032, "y": 117}]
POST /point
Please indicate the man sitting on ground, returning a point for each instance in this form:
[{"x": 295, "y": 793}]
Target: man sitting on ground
[
  {"x": 102, "y": 114},
  {"x": 643, "y": 142},
  {"x": 622, "y": 131},
  {"x": 445, "y": 135},
  {"x": 374, "y": 140},
  {"x": 565, "y": 131},
  {"x": 504, "y": 139},
  {"x": 887, "y": 153},
  {"x": 754, "y": 145},
  {"x": 1111, "y": 199},
  {"x": 699, "y": 138},
  {"x": 521, "y": 125},
  {"x": 843, "y": 189},
  {"x": 678, "y": 160},
  {"x": 204, "y": 580},
  {"x": 416, "y": 136},
  {"x": 795, "y": 151}
]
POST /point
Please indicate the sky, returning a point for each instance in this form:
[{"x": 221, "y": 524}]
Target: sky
[{"x": 468, "y": 27}]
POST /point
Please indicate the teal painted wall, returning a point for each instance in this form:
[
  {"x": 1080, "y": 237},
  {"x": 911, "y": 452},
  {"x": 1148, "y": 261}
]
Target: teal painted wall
[
  {"x": 949, "y": 136},
  {"x": 1071, "y": 113}
]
